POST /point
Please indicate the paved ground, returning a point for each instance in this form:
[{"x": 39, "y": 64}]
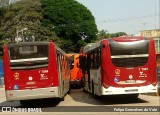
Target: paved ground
[
  {"x": 2, "y": 94},
  {"x": 78, "y": 98}
]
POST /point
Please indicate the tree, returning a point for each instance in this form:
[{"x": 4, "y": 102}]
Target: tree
[
  {"x": 111, "y": 35},
  {"x": 70, "y": 20},
  {"x": 102, "y": 34},
  {"x": 24, "y": 14}
]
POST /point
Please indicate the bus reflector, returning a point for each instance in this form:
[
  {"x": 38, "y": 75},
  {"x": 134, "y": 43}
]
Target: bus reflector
[
  {"x": 154, "y": 83},
  {"x": 105, "y": 85}
]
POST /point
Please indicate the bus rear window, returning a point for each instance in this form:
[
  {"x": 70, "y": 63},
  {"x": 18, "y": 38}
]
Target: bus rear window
[
  {"x": 28, "y": 55},
  {"x": 128, "y": 48},
  {"x": 129, "y": 54}
]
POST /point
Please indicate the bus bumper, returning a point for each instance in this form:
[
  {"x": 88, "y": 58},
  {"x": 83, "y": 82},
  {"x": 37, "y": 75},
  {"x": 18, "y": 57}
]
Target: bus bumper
[
  {"x": 129, "y": 90},
  {"x": 76, "y": 83},
  {"x": 50, "y": 92}
]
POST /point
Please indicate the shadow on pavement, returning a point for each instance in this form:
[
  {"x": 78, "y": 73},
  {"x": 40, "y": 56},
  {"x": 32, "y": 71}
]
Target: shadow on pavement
[
  {"x": 80, "y": 96},
  {"x": 38, "y": 103}
]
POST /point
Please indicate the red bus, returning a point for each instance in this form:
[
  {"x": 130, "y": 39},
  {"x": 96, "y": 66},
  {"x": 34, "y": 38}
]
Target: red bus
[
  {"x": 76, "y": 73},
  {"x": 34, "y": 70},
  {"x": 122, "y": 65}
]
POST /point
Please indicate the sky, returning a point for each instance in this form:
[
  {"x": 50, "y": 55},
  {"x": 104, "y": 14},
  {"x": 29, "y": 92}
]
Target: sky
[{"x": 129, "y": 16}]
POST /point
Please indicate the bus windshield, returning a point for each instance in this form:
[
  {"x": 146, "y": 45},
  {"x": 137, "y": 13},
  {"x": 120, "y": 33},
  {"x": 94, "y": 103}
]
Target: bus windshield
[
  {"x": 129, "y": 54},
  {"x": 28, "y": 56}
]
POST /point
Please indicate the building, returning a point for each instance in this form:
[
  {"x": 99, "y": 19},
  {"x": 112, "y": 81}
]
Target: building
[
  {"x": 151, "y": 33},
  {"x": 154, "y": 34}
]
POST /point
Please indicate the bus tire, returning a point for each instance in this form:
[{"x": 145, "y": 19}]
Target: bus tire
[
  {"x": 24, "y": 102},
  {"x": 134, "y": 96},
  {"x": 84, "y": 90},
  {"x": 62, "y": 98},
  {"x": 93, "y": 88},
  {"x": 69, "y": 89}
]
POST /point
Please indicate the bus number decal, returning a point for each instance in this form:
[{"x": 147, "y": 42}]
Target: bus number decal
[
  {"x": 43, "y": 71},
  {"x": 142, "y": 72},
  {"x": 43, "y": 77}
]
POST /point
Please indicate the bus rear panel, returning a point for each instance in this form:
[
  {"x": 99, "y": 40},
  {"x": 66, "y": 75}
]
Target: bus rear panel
[
  {"x": 131, "y": 66},
  {"x": 31, "y": 71},
  {"x": 123, "y": 65}
]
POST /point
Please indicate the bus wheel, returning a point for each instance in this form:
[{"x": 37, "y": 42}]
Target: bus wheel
[
  {"x": 92, "y": 88},
  {"x": 62, "y": 99},
  {"x": 69, "y": 89},
  {"x": 24, "y": 102},
  {"x": 134, "y": 96}
]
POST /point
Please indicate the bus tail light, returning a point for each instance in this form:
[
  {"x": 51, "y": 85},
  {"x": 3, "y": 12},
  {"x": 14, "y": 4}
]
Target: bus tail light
[
  {"x": 105, "y": 81},
  {"x": 154, "y": 83}
]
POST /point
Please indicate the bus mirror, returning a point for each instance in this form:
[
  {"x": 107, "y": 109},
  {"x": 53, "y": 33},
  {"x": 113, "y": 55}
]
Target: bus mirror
[{"x": 103, "y": 46}]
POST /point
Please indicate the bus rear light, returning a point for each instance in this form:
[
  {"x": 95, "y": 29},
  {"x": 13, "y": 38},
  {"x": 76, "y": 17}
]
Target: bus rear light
[
  {"x": 154, "y": 83},
  {"x": 51, "y": 85},
  {"x": 105, "y": 85}
]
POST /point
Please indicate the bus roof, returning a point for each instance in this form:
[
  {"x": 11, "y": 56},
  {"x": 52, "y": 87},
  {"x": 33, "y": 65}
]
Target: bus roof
[
  {"x": 128, "y": 38},
  {"x": 91, "y": 46}
]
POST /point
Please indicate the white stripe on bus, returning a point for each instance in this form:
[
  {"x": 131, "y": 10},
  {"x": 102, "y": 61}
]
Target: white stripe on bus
[
  {"x": 30, "y": 59},
  {"x": 130, "y": 56}
]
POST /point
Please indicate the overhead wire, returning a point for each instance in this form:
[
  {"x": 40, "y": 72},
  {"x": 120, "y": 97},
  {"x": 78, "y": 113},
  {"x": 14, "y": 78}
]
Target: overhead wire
[{"x": 127, "y": 19}]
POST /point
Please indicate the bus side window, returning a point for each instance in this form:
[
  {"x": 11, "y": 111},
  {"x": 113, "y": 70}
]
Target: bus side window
[
  {"x": 95, "y": 59},
  {"x": 88, "y": 62},
  {"x": 98, "y": 58}
]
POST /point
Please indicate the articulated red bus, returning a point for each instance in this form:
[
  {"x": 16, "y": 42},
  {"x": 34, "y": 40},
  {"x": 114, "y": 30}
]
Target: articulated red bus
[
  {"x": 34, "y": 70},
  {"x": 76, "y": 73},
  {"x": 122, "y": 65}
]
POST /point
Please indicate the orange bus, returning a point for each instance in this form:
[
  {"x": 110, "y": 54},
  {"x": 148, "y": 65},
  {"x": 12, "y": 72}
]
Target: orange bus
[{"x": 75, "y": 71}]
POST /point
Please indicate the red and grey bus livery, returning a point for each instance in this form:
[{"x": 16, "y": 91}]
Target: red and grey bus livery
[
  {"x": 34, "y": 70},
  {"x": 122, "y": 65}
]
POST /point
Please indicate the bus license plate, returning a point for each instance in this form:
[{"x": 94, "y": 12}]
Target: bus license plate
[
  {"x": 130, "y": 81},
  {"x": 30, "y": 83}
]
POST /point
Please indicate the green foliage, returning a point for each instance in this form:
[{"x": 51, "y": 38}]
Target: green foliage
[
  {"x": 102, "y": 34},
  {"x": 71, "y": 21},
  {"x": 111, "y": 35},
  {"x": 24, "y": 14}
]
